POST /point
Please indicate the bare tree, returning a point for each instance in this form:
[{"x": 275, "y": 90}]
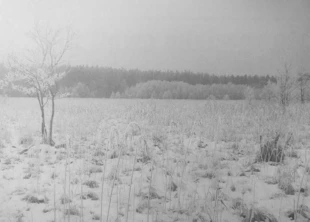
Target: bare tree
[
  {"x": 37, "y": 71},
  {"x": 302, "y": 81},
  {"x": 269, "y": 92},
  {"x": 286, "y": 86}
]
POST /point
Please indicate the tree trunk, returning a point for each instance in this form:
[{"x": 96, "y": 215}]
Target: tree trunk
[
  {"x": 302, "y": 90},
  {"x": 302, "y": 95},
  {"x": 51, "y": 142},
  {"x": 43, "y": 125}
]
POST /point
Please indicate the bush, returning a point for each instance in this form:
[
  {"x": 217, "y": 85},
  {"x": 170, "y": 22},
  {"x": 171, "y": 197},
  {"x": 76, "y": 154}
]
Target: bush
[
  {"x": 271, "y": 151},
  {"x": 81, "y": 90}
]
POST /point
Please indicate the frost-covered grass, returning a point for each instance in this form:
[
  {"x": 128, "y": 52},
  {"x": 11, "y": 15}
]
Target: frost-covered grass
[{"x": 151, "y": 160}]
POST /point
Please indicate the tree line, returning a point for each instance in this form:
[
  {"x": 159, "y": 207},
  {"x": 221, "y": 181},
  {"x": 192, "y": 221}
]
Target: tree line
[
  {"x": 104, "y": 82},
  {"x": 158, "y": 89}
]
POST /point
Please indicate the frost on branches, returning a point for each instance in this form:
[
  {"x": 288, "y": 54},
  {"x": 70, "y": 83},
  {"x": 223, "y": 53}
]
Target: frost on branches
[{"x": 37, "y": 72}]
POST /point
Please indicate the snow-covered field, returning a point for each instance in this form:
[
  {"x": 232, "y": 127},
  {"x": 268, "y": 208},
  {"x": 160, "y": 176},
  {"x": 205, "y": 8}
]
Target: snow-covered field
[{"x": 154, "y": 160}]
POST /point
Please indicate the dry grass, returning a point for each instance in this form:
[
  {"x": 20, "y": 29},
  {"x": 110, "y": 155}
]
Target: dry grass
[{"x": 126, "y": 160}]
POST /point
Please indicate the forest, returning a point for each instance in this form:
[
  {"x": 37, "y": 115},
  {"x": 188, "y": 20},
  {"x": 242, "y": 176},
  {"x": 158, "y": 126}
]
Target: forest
[{"x": 106, "y": 82}]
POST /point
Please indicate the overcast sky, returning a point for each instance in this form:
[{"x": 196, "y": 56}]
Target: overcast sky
[{"x": 214, "y": 36}]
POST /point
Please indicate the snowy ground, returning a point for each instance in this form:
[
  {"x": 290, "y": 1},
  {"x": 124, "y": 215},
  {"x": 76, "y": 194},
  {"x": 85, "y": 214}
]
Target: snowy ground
[{"x": 153, "y": 161}]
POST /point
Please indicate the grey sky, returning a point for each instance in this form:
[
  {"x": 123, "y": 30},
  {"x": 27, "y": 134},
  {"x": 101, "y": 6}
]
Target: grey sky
[{"x": 215, "y": 36}]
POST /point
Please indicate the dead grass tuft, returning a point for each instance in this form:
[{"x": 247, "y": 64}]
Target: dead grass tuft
[
  {"x": 91, "y": 183},
  {"x": 271, "y": 151},
  {"x": 31, "y": 198}
]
